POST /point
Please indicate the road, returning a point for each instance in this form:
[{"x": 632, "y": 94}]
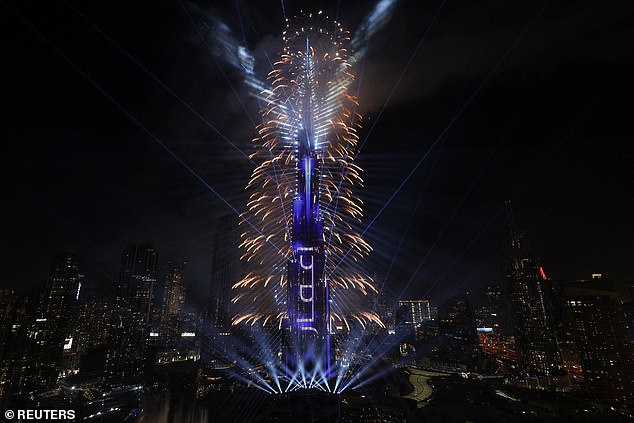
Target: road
[{"x": 422, "y": 390}]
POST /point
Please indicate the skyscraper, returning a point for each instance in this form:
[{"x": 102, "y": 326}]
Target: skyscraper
[
  {"x": 497, "y": 315},
  {"x": 93, "y": 327},
  {"x": 531, "y": 313},
  {"x": 7, "y": 304},
  {"x": 225, "y": 271},
  {"x": 131, "y": 314},
  {"x": 598, "y": 325},
  {"x": 308, "y": 292},
  {"x": 457, "y": 328},
  {"x": 174, "y": 290},
  {"x": 301, "y": 248},
  {"x": 137, "y": 279},
  {"x": 27, "y": 365},
  {"x": 416, "y": 312},
  {"x": 57, "y": 314},
  {"x": 7, "y": 309},
  {"x": 380, "y": 307}
]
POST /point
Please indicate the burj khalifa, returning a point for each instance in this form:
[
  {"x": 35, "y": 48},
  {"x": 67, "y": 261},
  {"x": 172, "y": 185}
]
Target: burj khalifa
[
  {"x": 302, "y": 251},
  {"x": 308, "y": 291}
]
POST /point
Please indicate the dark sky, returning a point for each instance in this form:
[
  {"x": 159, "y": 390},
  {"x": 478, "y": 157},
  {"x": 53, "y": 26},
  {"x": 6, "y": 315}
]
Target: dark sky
[{"x": 528, "y": 102}]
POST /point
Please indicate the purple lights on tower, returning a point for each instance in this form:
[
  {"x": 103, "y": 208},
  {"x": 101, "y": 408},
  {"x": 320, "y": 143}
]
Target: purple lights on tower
[
  {"x": 308, "y": 307},
  {"x": 308, "y": 291},
  {"x": 301, "y": 249}
]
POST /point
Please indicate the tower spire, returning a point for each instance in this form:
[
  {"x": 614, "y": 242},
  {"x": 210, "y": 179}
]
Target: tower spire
[{"x": 511, "y": 219}]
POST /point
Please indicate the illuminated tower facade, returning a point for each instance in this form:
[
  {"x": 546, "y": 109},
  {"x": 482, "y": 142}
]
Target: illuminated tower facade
[
  {"x": 308, "y": 295},
  {"x": 301, "y": 250}
]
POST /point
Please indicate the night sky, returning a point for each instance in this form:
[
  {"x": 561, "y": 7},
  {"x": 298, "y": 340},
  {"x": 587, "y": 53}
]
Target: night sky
[{"x": 495, "y": 101}]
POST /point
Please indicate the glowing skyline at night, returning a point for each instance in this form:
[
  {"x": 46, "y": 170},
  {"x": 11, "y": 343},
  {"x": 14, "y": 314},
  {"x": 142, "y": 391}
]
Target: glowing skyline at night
[{"x": 286, "y": 211}]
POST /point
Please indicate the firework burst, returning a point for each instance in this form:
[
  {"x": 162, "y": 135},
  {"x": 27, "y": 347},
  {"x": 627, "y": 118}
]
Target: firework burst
[{"x": 266, "y": 247}]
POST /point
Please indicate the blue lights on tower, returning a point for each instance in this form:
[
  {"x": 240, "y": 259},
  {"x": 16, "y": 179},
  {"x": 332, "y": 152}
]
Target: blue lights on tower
[{"x": 308, "y": 293}]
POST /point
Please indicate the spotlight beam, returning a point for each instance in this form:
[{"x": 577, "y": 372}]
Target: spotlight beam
[
  {"x": 169, "y": 90},
  {"x": 451, "y": 123},
  {"x": 411, "y": 219},
  {"x": 456, "y": 209},
  {"x": 215, "y": 59},
  {"x": 224, "y": 74},
  {"x": 283, "y": 9},
  {"x": 345, "y": 168},
  {"x": 158, "y": 81},
  {"x": 403, "y": 72},
  {"x": 398, "y": 81},
  {"x": 571, "y": 131},
  {"x": 130, "y": 116}
]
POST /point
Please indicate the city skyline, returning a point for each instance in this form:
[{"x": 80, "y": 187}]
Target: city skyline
[
  {"x": 388, "y": 212},
  {"x": 540, "y": 87}
]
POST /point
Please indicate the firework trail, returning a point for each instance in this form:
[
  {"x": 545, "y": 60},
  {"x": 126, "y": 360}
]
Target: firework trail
[{"x": 307, "y": 91}]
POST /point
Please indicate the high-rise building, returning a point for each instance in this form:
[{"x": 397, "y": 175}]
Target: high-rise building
[
  {"x": 598, "y": 325},
  {"x": 495, "y": 301},
  {"x": 530, "y": 311},
  {"x": 225, "y": 271},
  {"x": 491, "y": 314},
  {"x": 7, "y": 310},
  {"x": 28, "y": 363},
  {"x": 131, "y": 314},
  {"x": 137, "y": 279},
  {"x": 416, "y": 312},
  {"x": 174, "y": 290},
  {"x": 380, "y": 307},
  {"x": 56, "y": 319},
  {"x": 7, "y": 304},
  {"x": 60, "y": 300},
  {"x": 629, "y": 318},
  {"x": 459, "y": 346},
  {"x": 629, "y": 314},
  {"x": 93, "y": 328},
  {"x": 308, "y": 291}
]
